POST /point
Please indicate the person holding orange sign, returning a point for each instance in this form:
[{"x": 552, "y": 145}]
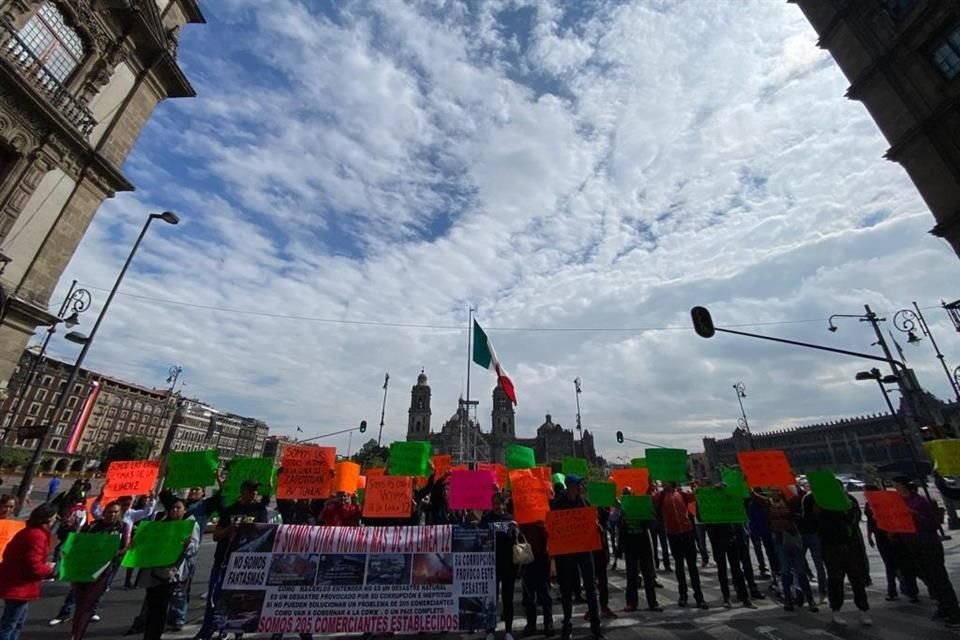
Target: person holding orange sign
[
  {"x": 671, "y": 506},
  {"x": 23, "y": 567}
]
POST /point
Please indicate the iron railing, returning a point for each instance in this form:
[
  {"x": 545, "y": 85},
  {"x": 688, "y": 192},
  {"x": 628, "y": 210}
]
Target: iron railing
[{"x": 16, "y": 52}]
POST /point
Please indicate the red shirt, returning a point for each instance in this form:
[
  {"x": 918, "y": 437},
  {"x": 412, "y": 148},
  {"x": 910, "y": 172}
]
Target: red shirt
[
  {"x": 672, "y": 506},
  {"x": 24, "y": 564},
  {"x": 340, "y": 515}
]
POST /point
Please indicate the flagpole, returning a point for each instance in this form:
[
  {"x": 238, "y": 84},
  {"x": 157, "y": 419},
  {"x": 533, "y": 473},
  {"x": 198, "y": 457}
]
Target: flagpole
[
  {"x": 466, "y": 418},
  {"x": 383, "y": 408}
]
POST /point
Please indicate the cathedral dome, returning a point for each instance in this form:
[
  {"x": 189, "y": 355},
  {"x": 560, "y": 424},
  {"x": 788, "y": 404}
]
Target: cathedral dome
[{"x": 422, "y": 379}]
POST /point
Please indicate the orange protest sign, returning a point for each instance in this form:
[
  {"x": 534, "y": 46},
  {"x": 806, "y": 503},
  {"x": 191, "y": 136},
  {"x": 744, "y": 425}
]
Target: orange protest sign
[
  {"x": 130, "y": 478},
  {"x": 8, "y": 528},
  {"x": 376, "y": 471},
  {"x": 306, "y": 472},
  {"x": 346, "y": 477},
  {"x": 499, "y": 472},
  {"x": 637, "y": 479},
  {"x": 543, "y": 473},
  {"x": 766, "y": 468},
  {"x": 441, "y": 464},
  {"x": 388, "y": 497},
  {"x": 890, "y": 511},
  {"x": 572, "y": 531},
  {"x": 362, "y": 482},
  {"x": 531, "y": 497}
]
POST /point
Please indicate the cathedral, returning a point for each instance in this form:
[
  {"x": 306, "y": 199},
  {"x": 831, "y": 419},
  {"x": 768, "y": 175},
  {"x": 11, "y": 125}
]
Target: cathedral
[{"x": 462, "y": 437}]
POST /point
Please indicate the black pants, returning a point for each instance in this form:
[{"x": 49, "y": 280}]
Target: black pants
[
  {"x": 157, "y": 602},
  {"x": 888, "y": 553},
  {"x": 638, "y": 554},
  {"x": 742, "y": 540},
  {"x": 569, "y": 570},
  {"x": 506, "y": 581},
  {"x": 600, "y": 569},
  {"x": 928, "y": 556},
  {"x": 659, "y": 538},
  {"x": 845, "y": 561},
  {"x": 701, "y": 532},
  {"x": 725, "y": 552},
  {"x": 764, "y": 543},
  {"x": 535, "y": 581},
  {"x": 683, "y": 546}
]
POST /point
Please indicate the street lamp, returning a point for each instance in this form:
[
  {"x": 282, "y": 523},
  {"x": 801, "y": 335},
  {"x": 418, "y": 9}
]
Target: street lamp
[
  {"x": 76, "y": 302},
  {"x": 908, "y": 321},
  {"x": 173, "y": 375},
  {"x": 44, "y": 442},
  {"x": 579, "y": 389},
  {"x": 741, "y": 390}
]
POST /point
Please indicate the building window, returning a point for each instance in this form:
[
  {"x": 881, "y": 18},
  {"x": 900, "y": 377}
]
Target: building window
[
  {"x": 47, "y": 381},
  {"x": 946, "y": 55},
  {"x": 28, "y": 422},
  {"x": 40, "y": 395},
  {"x": 66, "y": 414},
  {"x": 57, "y": 46},
  {"x": 34, "y": 408},
  {"x": 48, "y": 412},
  {"x": 55, "y": 443},
  {"x": 72, "y": 401},
  {"x": 124, "y": 414}
]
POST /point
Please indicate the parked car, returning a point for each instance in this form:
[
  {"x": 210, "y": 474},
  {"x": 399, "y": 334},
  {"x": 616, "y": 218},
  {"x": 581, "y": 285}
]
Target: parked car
[{"x": 851, "y": 482}]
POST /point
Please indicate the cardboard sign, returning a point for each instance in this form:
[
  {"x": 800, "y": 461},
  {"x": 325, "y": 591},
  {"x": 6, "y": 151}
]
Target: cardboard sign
[
  {"x": 388, "y": 497},
  {"x": 637, "y": 479},
  {"x": 575, "y": 466},
  {"x": 636, "y": 508},
  {"x": 409, "y": 458},
  {"x": 572, "y": 531},
  {"x": 441, "y": 464},
  {"x": 84, "y": 556},
  {"x": 186, "y": 469},
  {"x": 500, "y": 472},
  {"x": 945, "y": 455},
  {"x": 531, "y": 499},
  {"x": 239, "y": 469},
  {"x": 472, "y": 490},
  {"x": 346, "y": 477},
  {"x": 669, "y": 465},
  {"x": 376, "y": 471},
  {"x": 735, "y": 481},
  {"x": 520, "y": 457},
  {"x": 720, "y": 505},
  {"x": 157, "y": 543},
  {"x": 602, "y": 494},
  {"x": 307, "y": 471},
  {"x": 9, "y": 528},
  {"x": 890, "y": 511},
  {"x": 638, "y": 463},
  {"x": 130, "y": 478},
  {"x": 543, "y": 473},
  {"x": 827, "y": 491},
  {"x": 766, "y": 469}
]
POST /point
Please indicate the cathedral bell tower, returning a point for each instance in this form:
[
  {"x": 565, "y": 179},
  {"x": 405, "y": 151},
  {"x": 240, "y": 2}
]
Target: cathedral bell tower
[
  {"x": 502, "y": 416},
  {"x": 418, "y": 423}
]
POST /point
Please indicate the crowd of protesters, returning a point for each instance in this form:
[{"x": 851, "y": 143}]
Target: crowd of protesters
[{"x": 785, "y": 527}]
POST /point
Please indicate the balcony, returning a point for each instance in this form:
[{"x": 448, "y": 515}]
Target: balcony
[{"x": 15, "y": 52}]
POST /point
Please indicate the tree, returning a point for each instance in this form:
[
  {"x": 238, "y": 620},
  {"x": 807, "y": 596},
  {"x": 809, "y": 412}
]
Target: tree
[
  {"x": 370, "y": 455},
  {"x": 132, "y": 448},
  {"x": 13, "y": 458}
]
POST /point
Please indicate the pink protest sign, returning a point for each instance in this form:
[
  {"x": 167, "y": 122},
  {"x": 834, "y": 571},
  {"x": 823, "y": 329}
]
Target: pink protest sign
[{"x": 471, "y": 489}]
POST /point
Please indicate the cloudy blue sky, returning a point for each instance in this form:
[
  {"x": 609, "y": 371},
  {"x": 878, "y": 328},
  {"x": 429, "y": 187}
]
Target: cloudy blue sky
[{"x": 354, "y": 175}]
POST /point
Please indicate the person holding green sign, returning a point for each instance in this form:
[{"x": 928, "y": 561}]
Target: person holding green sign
[{"x": 638, "y": 555}]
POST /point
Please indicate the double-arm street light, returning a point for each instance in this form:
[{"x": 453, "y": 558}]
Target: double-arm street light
[
  {"x": 579, "y": 390},
  {"x": 741, "y": 390},
  {"x": 909, "y": 321},
  {"x": 44, "y": 442}
]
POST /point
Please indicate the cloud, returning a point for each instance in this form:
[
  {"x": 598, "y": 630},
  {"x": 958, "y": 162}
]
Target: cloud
[{"x": 602, "y": 167}]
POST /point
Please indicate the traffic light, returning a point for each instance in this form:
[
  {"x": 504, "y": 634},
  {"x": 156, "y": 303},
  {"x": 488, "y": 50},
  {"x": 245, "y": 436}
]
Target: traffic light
[
  {"x": 363, "y": 426},
  {"x": 702, "y": 322},
  {"x": 620, "y": 437}
]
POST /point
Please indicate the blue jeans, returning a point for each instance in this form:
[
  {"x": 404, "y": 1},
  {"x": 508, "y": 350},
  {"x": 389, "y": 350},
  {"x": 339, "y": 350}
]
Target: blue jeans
[
  {"x": 790, "y": 558},
  {"x": 14, "y": 615},
  {"x": 811, "y": 543}
]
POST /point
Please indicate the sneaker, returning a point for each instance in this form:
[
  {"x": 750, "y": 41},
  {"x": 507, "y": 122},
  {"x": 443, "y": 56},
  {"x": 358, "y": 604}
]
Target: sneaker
[
  {"x": 892, "y": 598},
  {"x": 508, "y": 636},
  {"x": 656, "y": 608},
  {"x": 757, "y": 595},
  {"x": 609, "y": 613},
  {"x": 702, "y": 605},
  {"x": 865, "y": 620},
  {"x": 529, "y": 630},
  {"x": 630, "y": 608},
  {"x": 95, "y": 617},
  {"x": 749, "y": 605},
  {"x": 681, "y": 603},
  {"x": 567, "y": 631},
  {"x": 813, "y": 608},
  {"x": 837, "y": 620},
  {"x": 727, "y": 605},
  {"x": 55, "y": 621},
  {"x": 953, "y": 622}
]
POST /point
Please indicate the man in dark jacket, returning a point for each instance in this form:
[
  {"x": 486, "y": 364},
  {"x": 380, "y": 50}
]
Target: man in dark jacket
[{"x": 638, "y": 555}]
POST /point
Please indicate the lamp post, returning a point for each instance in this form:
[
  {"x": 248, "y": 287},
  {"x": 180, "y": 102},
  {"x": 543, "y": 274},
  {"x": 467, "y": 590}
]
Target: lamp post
[
  {"x": 173, "y": 375},
  {"x": 742, "y": 422},
  {"x": 908, "y": 321},
  {"x": 77, "y": 301},
  {"x": 576, "y": 385},
  {"x": 44, "y": 442},
  {"x": 383, "y": 407}
]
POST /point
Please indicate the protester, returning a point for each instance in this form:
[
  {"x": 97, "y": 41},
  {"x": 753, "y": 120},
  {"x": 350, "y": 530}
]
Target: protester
[
  {"x": 782, "y": 524},
  {"x": 574, "y": 566},
  {"x": 340, "y": 512},
  {"x": 842, "y": 555},
  {"x": 762, "y": 540},
  {"x": 895, "y": 556},
  {"x": 161, "y": 582},
  {"x": 638, "y": 556},
  {"x": 23, "y": 567},
  {"x": 671, "y": 505},
  {"x": 808, "y": 526},
  {"x": 726, "y": 553},
  {"x": 535, "y": 580},
  {"x": 53, "y": 487},
  {"x": 600, "y": 559},
  {"x": 8, "y": 506},
  {"x": 505, "y": 530}
]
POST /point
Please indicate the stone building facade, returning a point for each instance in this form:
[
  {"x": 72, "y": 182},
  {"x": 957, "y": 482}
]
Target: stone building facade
[
  {"x": 120, "y": 409},
  {"x": 462, "y": 437},
  {"x": 197, "y": 426},
  {"x": 902, "y": 58},
  {"x": 78, "y": 81}
]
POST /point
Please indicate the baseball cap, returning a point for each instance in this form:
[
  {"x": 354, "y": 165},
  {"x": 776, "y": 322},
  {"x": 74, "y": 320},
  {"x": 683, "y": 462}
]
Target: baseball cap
[{"x": 573, "y": 479}]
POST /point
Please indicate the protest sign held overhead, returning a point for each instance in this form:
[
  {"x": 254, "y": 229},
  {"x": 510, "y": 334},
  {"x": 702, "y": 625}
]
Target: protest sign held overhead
[
  {"x": 891, "y": 512},
  {"x": 388, "y": 497},
  {"x": 827, "y": 491},
  {"x": 637, "y": 508},
  {"x": 531, "y": 498},
  {"x": 346, "y": 477},
  {"x": 307, "y": 471},
  {"x": 84, "y": 556},
  {"x": 720, "y": 505},
  {"x": 157, "y": 543},
  {"x": 500, "y": 472},
  {"x": 471, "y": 489},
  {"x": 734, "y": 479},
  {"x": 602, "y": 494},
  {"x": 187, "y": 469},
  {"x": 8, "y": 528},
  {"x": 520, "y": 457},
  {"x": 572, "y": 531},
  {"x": 441, "y": 464},
  {"x": 669, "y": 465},
  {"x": 575, "y": 466},
  {"x": 766, "y": 468},
  {"x": 945, "y": 455},
  {"x": 130, "y": 478},
  {"x": 637, "y": 479},
  {"x": 409, "y": 459},
  {"x": 258, "y": 469}
]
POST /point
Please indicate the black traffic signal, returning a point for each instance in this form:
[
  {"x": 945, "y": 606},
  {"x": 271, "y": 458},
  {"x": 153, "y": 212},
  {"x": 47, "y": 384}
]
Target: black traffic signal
[
  {"x": 620, "y": 437},
  {"x": 702, "y": 322},
  {"x": 363, "y": 426}
]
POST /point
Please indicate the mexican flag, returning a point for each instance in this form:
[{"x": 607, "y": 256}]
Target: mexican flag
[{"x": 485, "y": 356}]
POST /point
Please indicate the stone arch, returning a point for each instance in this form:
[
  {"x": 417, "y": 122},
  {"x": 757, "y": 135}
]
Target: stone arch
[
  {"x": 62, "y": 464},
  {"x": 77, "y": 465},
  {"x": 46, "y": 465}
]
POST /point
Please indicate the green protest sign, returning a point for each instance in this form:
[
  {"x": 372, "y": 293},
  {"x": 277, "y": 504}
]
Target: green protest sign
[
  {"x": 720, "y": 505},
  {"x": 575, "y": 466},
  {"x": 409, "y": 459},
  {"x": 520, "y": 457},
  {"x": 84, "y": 556},
  {"x": 637, "y": 508},
  {"x": 638, "y": 463},
  {"x": 827, "y": 491},
  {"x": 187, "y": 469},
  {"x": 157, "y": 543},
  {"x": 735, "y": 481},
  {"x": 240, "y": 469},
  {"x": 667, "y": 464},
  {"x": 602, "y": 494}
]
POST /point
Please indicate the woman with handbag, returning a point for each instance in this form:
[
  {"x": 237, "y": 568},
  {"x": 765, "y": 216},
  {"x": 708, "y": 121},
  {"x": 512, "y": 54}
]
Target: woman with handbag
[
  {"x": 505, "y": 529},
  {"x": 161, "y": 582}
]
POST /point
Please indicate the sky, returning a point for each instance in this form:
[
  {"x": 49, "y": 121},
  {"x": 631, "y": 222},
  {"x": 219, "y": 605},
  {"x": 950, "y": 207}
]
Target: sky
[{"x": 353, "y": 176}]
